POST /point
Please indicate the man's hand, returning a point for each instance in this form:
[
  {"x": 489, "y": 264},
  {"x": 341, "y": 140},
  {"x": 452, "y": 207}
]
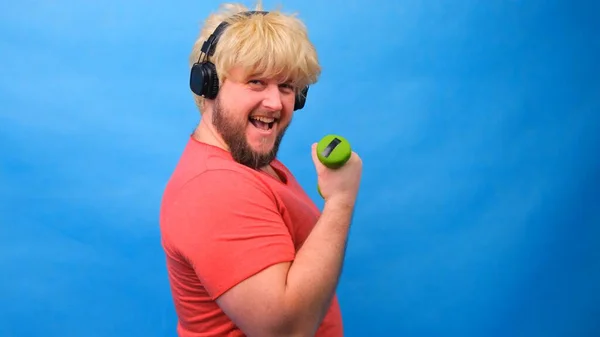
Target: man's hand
[{"x": 341, "y": 183}]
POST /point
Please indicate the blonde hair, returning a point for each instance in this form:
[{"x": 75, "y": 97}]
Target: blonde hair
[{"x": 274, "y": 45}]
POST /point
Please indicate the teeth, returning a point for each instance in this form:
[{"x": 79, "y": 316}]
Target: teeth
[{"x": 263, "y": 119}]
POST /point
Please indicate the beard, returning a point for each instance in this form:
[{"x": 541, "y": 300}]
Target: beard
[{"x": 233, "y": 132}]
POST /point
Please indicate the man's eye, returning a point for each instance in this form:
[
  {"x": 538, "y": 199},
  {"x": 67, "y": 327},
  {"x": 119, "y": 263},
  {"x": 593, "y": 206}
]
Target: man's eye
[{"x": 287, "y": 86}]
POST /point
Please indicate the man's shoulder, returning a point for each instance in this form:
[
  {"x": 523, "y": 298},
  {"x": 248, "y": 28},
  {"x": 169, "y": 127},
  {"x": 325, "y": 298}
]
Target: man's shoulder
[
  {"x": 207, "y": 183},
  {"x": 220, "y": 170},
  {"x": 207, "y": 170},
  {"x": 200, "y": 161},
  {"x": 219, "y": 175}
]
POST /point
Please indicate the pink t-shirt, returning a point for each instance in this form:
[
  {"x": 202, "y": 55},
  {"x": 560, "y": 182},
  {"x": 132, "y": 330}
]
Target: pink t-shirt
[{"x": 222, "y": 222}]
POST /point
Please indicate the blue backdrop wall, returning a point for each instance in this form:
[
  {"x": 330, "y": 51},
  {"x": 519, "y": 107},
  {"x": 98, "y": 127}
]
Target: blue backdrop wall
[{"x": 479, "y": 211}]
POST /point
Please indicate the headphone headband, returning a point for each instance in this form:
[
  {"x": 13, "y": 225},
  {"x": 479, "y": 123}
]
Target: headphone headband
[{"x": 210, "y": 45}]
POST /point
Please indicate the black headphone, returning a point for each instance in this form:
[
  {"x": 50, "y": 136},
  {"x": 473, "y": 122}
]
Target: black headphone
[{"x": 204, "y": 80}]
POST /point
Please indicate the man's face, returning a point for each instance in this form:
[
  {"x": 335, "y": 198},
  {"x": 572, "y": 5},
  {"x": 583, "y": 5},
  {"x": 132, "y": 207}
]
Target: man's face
[{"x": 251, "y": 115}]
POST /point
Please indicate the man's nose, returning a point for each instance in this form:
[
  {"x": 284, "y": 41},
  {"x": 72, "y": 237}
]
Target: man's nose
[{"x": 272, "y": 99}]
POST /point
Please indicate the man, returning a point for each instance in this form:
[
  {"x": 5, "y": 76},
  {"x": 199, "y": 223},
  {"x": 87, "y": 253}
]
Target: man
[{"x": 248, "y": 253}]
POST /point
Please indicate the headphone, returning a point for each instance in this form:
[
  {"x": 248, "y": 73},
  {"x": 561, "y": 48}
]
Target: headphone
[{"x": 204, "y": 80}]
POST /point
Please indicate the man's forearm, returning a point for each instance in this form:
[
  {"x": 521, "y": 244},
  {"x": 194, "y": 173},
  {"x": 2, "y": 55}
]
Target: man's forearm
[{"x": 314, "y": 274}]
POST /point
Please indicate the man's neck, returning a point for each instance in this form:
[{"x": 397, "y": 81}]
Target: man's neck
[
  {"x": 271, "y": 171},
  {"x": 205, "y": 134}
]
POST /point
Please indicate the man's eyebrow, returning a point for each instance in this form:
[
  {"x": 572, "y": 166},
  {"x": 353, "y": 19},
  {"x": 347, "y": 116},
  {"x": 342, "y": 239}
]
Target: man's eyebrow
[
  {"x": 261, "y": 76},
  {"x": 255, "y": 75}
]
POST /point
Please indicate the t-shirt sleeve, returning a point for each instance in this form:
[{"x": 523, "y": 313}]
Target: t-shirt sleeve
[{"x": 231, "y": 228}]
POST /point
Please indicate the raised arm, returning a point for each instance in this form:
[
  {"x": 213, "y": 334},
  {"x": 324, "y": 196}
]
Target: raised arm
[
  {"x": 245, "y": 256},
  {"x": 291, "y": 299}
]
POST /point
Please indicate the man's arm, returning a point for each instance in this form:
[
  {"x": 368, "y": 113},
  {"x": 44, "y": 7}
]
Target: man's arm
[
  {"x": 231, "y": 231},
  {"x": 291, "y": 299}
]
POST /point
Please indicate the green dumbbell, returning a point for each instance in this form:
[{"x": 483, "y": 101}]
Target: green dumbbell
[{"x": 333, "y": 151}]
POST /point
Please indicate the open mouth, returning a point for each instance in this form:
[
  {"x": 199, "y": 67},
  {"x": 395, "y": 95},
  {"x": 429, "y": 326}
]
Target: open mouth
[{"x": 263, "y": 123}]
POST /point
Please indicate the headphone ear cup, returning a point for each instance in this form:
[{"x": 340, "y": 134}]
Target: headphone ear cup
[
  {"x": 301, "y": 99},
  {"x": 197, "y": 79},
  {"x": 212, "y": 80},
  {"x": 204, "y": 80}
]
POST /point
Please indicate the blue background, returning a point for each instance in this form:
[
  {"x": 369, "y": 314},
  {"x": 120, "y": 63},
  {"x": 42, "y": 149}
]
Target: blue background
[{"x": 476, "y": 120}]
